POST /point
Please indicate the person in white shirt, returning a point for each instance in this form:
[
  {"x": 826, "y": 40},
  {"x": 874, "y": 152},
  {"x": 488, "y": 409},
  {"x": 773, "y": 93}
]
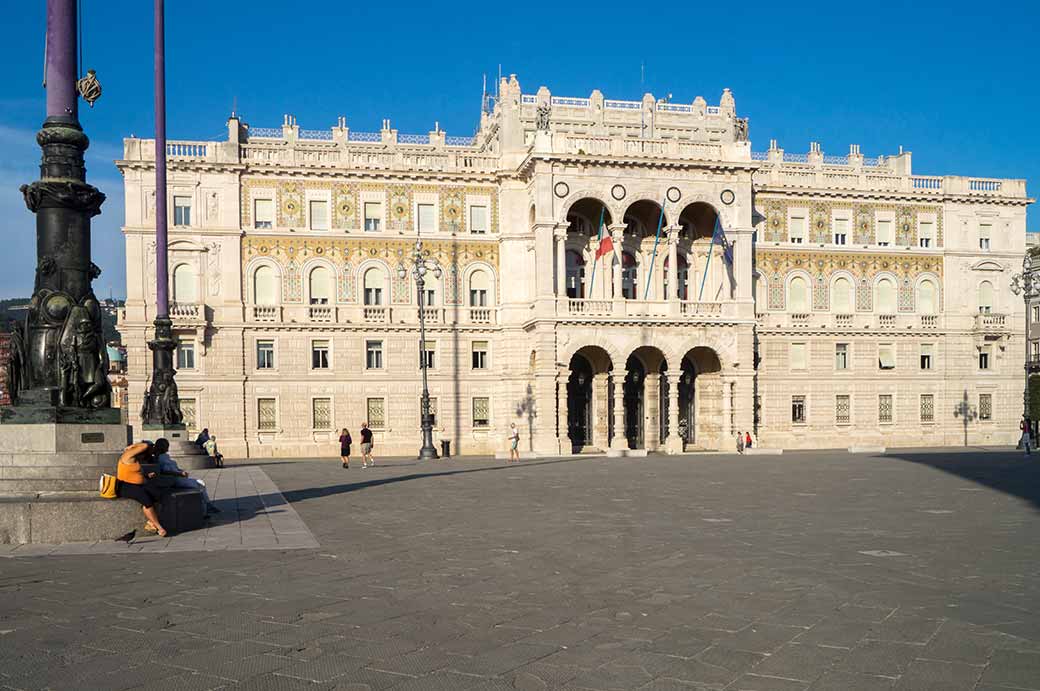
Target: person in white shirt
[{"x": 168, "y": 466}]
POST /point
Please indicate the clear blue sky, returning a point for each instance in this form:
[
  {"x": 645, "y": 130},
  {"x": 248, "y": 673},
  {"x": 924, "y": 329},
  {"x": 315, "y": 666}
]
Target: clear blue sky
[{"x": 954, "y": 82}]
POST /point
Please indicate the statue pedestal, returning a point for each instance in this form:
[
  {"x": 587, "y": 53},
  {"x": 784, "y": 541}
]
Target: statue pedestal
[{"x": 182, "y": 448}]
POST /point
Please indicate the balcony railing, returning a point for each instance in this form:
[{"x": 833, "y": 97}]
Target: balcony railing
[
  {"x": 321, "y": 313},
  {"x": 185, "y": 311},
  {"x": 843, "y": 321},
  {"x": 267, "y": 313},
  {"x": 990, "y": 322},
  {"x": 886, "y": 321},
  {"x": 929, "y": 321},
  {"x": 674, "y": 309}
]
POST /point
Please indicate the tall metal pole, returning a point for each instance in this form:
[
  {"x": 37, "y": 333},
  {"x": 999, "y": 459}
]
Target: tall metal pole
[
  {"x": 428, "y": 452},
  {"x": 162, "y": 408}
]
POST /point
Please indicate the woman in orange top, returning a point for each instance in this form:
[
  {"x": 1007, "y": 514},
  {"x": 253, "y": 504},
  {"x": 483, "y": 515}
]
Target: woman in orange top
[{"x": 134, "y": 484}]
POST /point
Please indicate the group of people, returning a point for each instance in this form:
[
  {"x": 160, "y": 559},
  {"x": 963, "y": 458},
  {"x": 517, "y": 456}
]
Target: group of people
[
  {"x": 345, "y": 440},
  {"x": 208, "y": 443},
  {"x": 145, "y": 487},
  {"x": 743, "y": 441}
]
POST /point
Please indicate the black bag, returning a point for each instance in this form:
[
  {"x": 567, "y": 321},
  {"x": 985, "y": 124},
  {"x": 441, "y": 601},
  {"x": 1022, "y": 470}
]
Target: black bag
[{"x": 181, "y": 510}]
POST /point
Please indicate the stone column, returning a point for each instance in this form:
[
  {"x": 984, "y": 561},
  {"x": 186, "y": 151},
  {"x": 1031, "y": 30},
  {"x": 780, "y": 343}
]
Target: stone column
[
  {"x": 742, "y": 260},
  {"x": 563, "y": 434},
  {"x": 560, "y": 236},
  {"x": 726, "y": 430},
  {"x": 618, "y": 441},
  {"x": 652, "y": 411},
  {"x": 674, "y": 443},
  {"x": 617, "y": 233},
  {"x": 673, "y": 264},
  {"x": 600, "y": 410}
]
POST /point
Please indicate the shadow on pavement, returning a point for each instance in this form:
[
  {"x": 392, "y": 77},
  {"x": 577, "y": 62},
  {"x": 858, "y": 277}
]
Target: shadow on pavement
[{"x": 1010, "y": 472}]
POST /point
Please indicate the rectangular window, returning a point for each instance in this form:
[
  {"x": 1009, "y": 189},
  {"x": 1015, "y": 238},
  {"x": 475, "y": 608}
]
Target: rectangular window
[
  {"x": 265, "y": 354},
  {"x": 841, "y": 231},
  {"x": 1036, "y": 314},
  {"x": 478, "y": 219},
  {"x": 985, "y": 230},
  {"x": 884, "y": 408},
  {"x": 798, "y": 228},
  {"x": 480, "y": 354},
  {"x": 182, "y": 211},
  {"x": 841, "y": 356},
  {"x": 189, "y": 410},
  {"x": 186, "y": 356},
  {"x": 429, "y": 356},
  {"x": 927, "y": 355},
  {"x": 481, "y": 410},
  {"x": 1034, "y": 349},
  {"x": 319, "y": 354},
  {"x": 798, "y": 356},
  {"x": 321, "y": 413},
  {"x": 263, "y": 213},
  {"x": 798, "y": 410},
  {"x": 886, "y": 356},
  {"x": 373, "y": 355},
  {"x": 373, "y": 217},
  {"x": 927, "y": 407},
  {"x": 478, "y": 297},
  {"x": 266, "y": 414},
  {"x": 428, "y": 297},
  {"x": 925, "y": 233},
  {"x": 984, "y": 355},
  {"x": 426, "y": 220},
  {"x": 373, "y": 296},
  {"x": 885, "y": 235},
  {"x": 319, "y": 209},
  {"x": 842, "y": 410},
  {"x": 376, "y": 412},
  {"x": 433, "y": 412},
  {"x": 985, "y": 406}
]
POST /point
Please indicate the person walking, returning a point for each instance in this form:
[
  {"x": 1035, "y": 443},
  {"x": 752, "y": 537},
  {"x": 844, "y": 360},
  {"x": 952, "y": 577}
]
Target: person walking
[
  {"x": 514, "y": 443},
  {"x": 747, "y": 440},
  {"x": 344, "y": 447},
  {"x": 1026, "y": 441},
  {"x": 740, "y": 443},
  {"x": 366, "y": 446}
]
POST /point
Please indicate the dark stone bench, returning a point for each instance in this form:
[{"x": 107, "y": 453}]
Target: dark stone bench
[{"x": 181, "y": 510}]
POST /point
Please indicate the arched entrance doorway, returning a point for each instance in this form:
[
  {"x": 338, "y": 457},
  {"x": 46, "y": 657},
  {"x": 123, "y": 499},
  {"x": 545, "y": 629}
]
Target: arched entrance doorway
[
  {"x": 700, "y": 399},
  {"x": 586, "y": 402},
  {"x": 644, "y": 369}
]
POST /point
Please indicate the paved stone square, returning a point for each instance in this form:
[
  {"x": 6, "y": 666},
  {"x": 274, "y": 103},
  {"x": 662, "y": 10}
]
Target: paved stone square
[{"x": 824, "y": 570}]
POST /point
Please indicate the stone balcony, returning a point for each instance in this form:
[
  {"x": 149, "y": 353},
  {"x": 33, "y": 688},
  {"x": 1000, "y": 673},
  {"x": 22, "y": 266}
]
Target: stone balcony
[
  {"x": 369, "y": 314},
  {"x": 991, "y": 323},
  {"x": 854, "y": 321},
  {"x": 679, "y": 310}
]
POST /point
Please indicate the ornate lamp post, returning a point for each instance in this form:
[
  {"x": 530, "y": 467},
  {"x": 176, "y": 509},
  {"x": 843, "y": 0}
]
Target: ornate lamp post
[
  {"x": 1027, "y": 284},
  {"x": 420, "y": 267},
  {"x": 162, "y": 406}
]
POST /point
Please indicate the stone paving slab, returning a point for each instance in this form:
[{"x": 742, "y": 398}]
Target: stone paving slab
[
  {"x": 824, "y": 570},
  {"x": 254, "y": 515}
]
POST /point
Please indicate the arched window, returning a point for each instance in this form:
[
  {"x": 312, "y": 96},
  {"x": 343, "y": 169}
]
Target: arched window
[
  {"x": 926, "y": 302},
  {"x": 265, "y": 286},
  {"x": 320, "y": 283},
  {"x": 184, "y": 284},
  {"x": 985, "y": 297},
  {"x": 478, "y": 289},
  {"x": 629, "y": 276},
  {"x": 575, "y": 274},
  {"x": 374, "y": 279},
  {"x": 798, "y": 295},
  {"x": 841, "y": 296},
  {"x": 885, "y": 296},
  {"x": 682, "y": 291}
]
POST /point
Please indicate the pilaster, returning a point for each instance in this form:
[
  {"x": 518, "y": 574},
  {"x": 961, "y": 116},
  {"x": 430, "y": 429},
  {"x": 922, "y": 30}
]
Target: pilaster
[{"x": 618, "y": 441}]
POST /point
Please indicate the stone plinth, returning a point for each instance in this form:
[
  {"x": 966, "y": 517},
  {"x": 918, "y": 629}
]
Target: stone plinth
[
  {"x": 54, "y": 520},
  {"x": 48, "y": 460},
  {"x": 182, "y": 448}
]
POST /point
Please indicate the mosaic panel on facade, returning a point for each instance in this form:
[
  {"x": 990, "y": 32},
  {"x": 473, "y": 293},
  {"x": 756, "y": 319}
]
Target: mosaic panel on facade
[
  {"x": 906, "y": 295},
  {"x": 292, "y": 283},
  {"x": 775, "y": 212}
]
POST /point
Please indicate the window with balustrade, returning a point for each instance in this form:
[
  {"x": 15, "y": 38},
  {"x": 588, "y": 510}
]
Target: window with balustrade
[
  {"x": 985, "y": 406},
  {"x": 373, "y": 217},
  {"x": 267, "y": 414},
  {"x": 985, "y": 297},
  {"x": 265, "y": 286},
  {"x": 265, "y": 354},
  {"x": 927, "y": 405},
  {"x": 481, "y": 412},
  {"x": 320, "y": 354},
  {"x": 885, "y": 296},
  {"x": 479, "y": 355},
  {"x": 885, "y": 408},
  {"x": 320, "y": 286},
  {"x": 185, "y": 355},
  {"x": 841, "y": 356},
  {"x": 373, "y": 287},
  {"x": 886, "y": 356},
  {"x": 263, "y": 213},
  {"x": 926, "y": 293},
  {"x": 375, "y": 409},
  {"x": 798, "y": 295},
  {"x": 373, "y": 355},
  {"x": 181, "y": 211},
  {"x": 842, "y": 296},
  {"x": 479, "y": 285},
  {"x": 629, "y": 276},
  {"x": 318, "y": 213},
  {"x": 842, "y": 409},
  {"x": 927, "y": 356},
  {"x": 185, "y": 289},
  {"x": 321, "y": 414}
]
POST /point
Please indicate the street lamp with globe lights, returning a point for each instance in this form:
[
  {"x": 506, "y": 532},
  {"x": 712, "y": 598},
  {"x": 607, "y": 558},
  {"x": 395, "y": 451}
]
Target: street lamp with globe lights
[
  {"x": 422, "y": 265},
  {"x": 1027, "y": 284}
]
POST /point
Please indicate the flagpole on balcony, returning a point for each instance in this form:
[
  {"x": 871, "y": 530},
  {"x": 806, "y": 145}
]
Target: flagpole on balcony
[
  {"x": 707, "y": 264},
  {"x": 653, "y": 258},
  {"x": 599, "y": 237}
]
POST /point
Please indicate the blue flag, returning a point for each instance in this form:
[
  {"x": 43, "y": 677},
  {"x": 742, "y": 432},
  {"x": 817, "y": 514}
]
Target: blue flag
[{"x": 719, "y": 237}]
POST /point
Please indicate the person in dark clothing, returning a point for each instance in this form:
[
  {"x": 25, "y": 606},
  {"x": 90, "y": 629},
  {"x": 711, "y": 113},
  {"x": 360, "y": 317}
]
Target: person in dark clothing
[
  {"x": 344, "y": 447},
  {"x": 366, "y": 446},
  {"x": 203, "y": 437}
]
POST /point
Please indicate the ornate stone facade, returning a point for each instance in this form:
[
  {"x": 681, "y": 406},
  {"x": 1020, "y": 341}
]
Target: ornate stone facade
[{"x": 582, "y": 296}]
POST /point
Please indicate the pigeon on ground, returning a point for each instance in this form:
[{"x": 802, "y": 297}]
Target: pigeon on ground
[{"x": 128, "y": 538}]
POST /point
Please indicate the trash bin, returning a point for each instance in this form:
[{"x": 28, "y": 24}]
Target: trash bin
[{"x": 445, "y": 448}]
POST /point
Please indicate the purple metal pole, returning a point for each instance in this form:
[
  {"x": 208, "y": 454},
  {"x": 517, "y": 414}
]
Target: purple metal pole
[
  {"x": 61, "y": 59},
  {"x": 162, "y": 300}
]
